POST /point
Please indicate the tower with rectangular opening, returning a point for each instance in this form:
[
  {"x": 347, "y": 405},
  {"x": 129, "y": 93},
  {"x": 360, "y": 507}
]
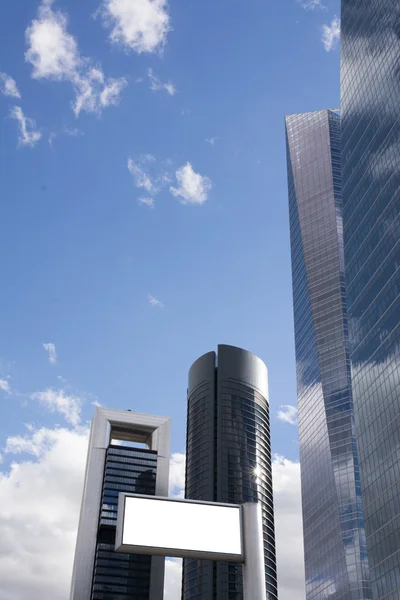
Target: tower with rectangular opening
[{"x": 128, "y": 452}]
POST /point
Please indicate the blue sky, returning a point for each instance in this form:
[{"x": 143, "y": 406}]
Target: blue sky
[
  {"x": 143, "y": 192},
  {"x": 80, "y": 255}
]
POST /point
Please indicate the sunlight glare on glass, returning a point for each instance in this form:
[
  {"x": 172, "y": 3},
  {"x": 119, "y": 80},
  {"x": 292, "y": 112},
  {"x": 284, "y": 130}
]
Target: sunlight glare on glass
[{"x": 257, "y": 471}]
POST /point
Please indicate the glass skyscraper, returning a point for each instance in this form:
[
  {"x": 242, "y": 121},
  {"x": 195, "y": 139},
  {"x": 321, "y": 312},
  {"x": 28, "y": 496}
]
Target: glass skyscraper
[
  {"x": 229, "y": 459},
  {"x": 118, "y": 575},
  {"x": 370, "y": 103},
  {"x": 334, "y": 539}
]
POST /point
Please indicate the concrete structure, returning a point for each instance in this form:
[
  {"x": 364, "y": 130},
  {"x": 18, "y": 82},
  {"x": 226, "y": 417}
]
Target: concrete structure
[
  {"x": 229, "y": 460},
  {"x": 334, "y": 537},
  {"x": 99, "y": 573},
  {"x": 370, "y": 142}
]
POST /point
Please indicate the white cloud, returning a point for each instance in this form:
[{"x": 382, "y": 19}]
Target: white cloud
[
  {"x": 94, "y": 92},
  {"x": 112, "y": 90},
  {"x": 51, "y": 138},
  {"x": 37, "y": 444},
  {"x": 96, "y": 403},
  {"x": 289, "y": 529},
  {"x": 146, "y": 202},
  {"x": 73, "y": 131},
  {"x": 28, "y": 134},
  {"x": 139, "y": 169},
  {"x": 211, "y": 141},
  {"x": 39, "y": 508},
  {"x": 193, "y": 188},
  {"x": 51, "y": 350},
  {"x": 173, "y": 579},
  {"x": 156, "y": 84},
  {"x": 40, "y": 499},
  {"x": 139, "y": 25},
  {"x": 177, "y": 475},
  {"x": 331, "y": 34},
  {"x": 8, "y": 86},
  {"x": 54, "y": 55},
  {"x": 52, "y": 51},
  {"x": 5, "y": 386},
  {"x": 313, "y": 5},
  {"x": 154, "y": 302},
  {"x": 288, "y": 414},
  {"x": 58, "y": 401}
]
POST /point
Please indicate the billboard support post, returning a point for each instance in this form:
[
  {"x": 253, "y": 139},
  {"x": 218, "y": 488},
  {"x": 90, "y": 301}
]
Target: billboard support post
[{"x": 253, "y": 566}]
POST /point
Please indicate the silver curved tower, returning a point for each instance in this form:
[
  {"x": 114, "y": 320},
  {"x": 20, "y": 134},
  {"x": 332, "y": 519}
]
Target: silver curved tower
[{"x": 229, "y": 459}]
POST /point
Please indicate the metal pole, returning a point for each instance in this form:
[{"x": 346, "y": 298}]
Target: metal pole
[{"x": 253, "y": 567}]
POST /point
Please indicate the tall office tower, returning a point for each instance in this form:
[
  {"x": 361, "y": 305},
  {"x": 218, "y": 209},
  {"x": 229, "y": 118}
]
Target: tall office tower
[
  {"x": 370, "y": 140},
  {"x": 116, "y": 463},
  {"x": 334, "y": 539},
  {"x": 229, "y": 459}
]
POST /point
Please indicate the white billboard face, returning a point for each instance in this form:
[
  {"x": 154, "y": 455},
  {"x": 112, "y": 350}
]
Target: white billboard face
[{"x": 179, "y": 528}]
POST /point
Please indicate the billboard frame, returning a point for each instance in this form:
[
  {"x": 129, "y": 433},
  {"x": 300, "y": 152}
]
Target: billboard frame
[
  {"x": 174, "y": 552},
  {"x": 252, "y": 544}
]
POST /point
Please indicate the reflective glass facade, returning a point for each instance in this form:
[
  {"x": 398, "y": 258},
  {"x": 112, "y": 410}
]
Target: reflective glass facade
[
  {"x": 229, "y": 459},
  {"x": 120, "y": 576},
  {"x": 334, "y": 538},
  {"x": 370, "y": 103}
]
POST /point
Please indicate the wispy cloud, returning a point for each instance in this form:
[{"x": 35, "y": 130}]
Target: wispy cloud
[
  {"x": 156, "y": 84},
  {"x": 192, "y": 188},
  {"x": 154, "y": 302},
  {"x": 140, "y": 168},
  {"x": 138, "y": 25},
  {"x": 68, "y": 131},
  {"x": 73, "y": 131},
  {"x": 8, "y": 86},
  {"x": 331, "y": 34},
  {"x": 177, "y": 475},
  {"x": 149, "y": 176},
  {"x": 52, "y": 136},
  {"x": 67, "y": 405},
  {"x": 40, "y": 441},
  {"x": 146, "y": 202},
  {"x": 5, "y": 386},
  {"x": 54, "y": 54},
  {"x": 288, "y": 414},
  {"x": 28, "y": 134},
  {"x": 312, "y": 4},
  {"x": 51, "y": 351},
  {"x": 211, "y": 141}
]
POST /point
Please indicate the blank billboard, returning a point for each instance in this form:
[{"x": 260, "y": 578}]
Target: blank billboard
[{"x": 179, "y": 528}]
